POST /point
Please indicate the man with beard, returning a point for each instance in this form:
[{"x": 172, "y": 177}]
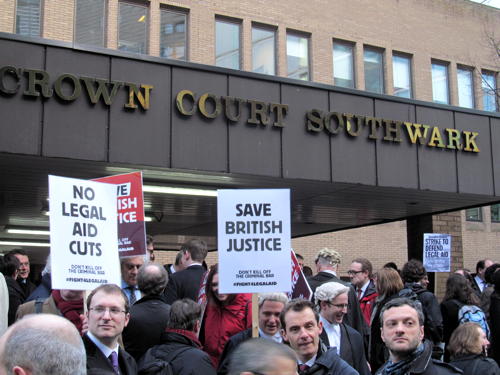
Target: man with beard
[{"x": 402, "y": 331}]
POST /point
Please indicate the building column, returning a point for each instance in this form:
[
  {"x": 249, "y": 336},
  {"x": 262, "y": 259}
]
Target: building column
[{"x": 447, "y": 223}]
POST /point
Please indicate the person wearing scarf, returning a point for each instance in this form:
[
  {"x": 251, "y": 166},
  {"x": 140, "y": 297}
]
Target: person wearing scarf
[
  {"x": 64, "y": 302},
  {"x": 402, "y": 332}
]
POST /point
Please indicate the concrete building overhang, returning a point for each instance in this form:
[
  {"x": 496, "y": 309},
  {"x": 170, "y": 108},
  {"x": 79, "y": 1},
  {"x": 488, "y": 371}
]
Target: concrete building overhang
[{"x": 350, "y": 158}]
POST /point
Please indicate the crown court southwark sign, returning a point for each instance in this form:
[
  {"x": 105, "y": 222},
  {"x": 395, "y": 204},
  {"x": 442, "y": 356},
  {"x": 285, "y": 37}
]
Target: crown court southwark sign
[{"x": 70, "y": 87}]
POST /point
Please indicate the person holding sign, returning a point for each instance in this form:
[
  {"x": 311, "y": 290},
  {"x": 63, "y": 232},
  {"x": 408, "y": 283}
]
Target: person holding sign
[{"x": 225, "y": 315}]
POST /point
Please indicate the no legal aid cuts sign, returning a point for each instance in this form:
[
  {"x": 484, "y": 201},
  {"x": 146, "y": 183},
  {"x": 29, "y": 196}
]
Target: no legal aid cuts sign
[
  {"x": 130, "y": 205},
  {"x": 254, "y": 240},
  {"x": 83, "y": 233}
]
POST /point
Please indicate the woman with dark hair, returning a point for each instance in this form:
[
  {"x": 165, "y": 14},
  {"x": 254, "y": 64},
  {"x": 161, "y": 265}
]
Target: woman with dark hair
[
  {"x": 225, "y": 315},
  {"x": 467, "y": 345},
  {"x": 458, "y": 293},
  {"x": 495, "y": 318},
  {"x": 388, "y": 284}
]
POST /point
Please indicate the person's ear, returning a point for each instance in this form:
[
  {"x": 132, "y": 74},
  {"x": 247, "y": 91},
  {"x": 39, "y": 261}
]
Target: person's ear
[{"x": 16, "y": 370}]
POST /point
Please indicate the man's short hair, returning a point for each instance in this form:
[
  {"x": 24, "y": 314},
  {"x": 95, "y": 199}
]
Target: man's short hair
[
  {"x": 44, "y": 350},
  {"x": 413, "y": 271},
  {"x": 109, "y": 289},
  {"x": 366, "y": 265},
  {"x": 329, "y": 291},
  {"x": 297, "y": 305},
  {"x": 178, "y": 258},
  {"x": 152, "y": 279},
  {"x": 403, "y": 301},
  {"x": 274, "y": 297},
  {"x": 197, "y": 249},
  {"x": 11, "y": 264},
  {"x": 18, "y": 252},
  {"x": 328, "y": 257},
  {"x": 184, "y": 314},
  {"x": 258, "y": 356}
]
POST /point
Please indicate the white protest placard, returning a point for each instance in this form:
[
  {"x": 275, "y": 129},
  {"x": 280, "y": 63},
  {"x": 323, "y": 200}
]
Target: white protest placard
[
  {"x": 83, "y": 234},
  {"x": 253, "y": 228},
  {"x": 437, "y": 252}
]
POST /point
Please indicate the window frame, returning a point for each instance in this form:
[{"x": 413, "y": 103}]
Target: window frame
[
  {"x": 352, "y": 47},
  {"x": 104, "y": 23},
  {"x": 274, "y": 30},
  {"x": 497, "y": 206},
  {"x": 40, "y": 20},
  {"x": 307, "y": 37},
  {"x": 381, "y": 52},
  {"x": 470, "y": 70},
  {"x": 409, "y": 57},
  {"x": 496, "y": 100},
  {"x": 137, "y": 3},
  {"x": 446, "y": 65},
  {"x": 235, "y": 21},
  {"x": 179, "y": 11},
  {"x": 479, "y": 215}
]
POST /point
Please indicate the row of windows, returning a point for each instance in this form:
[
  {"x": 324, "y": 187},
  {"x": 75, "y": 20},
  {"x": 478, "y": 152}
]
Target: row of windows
[
  {"x": 90, "y": 26},
  {"x": 476, "y": 214}
]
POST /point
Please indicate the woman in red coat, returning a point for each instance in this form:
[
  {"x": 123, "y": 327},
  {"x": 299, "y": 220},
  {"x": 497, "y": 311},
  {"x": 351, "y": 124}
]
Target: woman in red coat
[{"x": 225, "y": 315}]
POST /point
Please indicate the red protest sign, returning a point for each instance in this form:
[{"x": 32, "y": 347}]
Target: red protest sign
[
  {"x": 300, "y": 287},
  {"x": 131, "y": 228}
]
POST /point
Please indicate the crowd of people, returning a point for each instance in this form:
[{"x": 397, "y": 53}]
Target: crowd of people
[{"x": 171, "y": 319}]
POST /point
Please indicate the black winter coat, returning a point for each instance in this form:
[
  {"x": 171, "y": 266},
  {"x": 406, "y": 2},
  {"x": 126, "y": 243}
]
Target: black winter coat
[
  {"x": 475, "y": 364},
  {"x": 495, "y": 326},
  {"x": 188, "y": 359}
]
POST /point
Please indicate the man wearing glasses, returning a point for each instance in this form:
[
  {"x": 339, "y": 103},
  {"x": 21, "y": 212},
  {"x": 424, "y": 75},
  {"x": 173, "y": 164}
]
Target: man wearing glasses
[
  {"x": 108, "y": 314},
  {"x": 332, "y": 301},
  {"x": 360, "y": 273}
]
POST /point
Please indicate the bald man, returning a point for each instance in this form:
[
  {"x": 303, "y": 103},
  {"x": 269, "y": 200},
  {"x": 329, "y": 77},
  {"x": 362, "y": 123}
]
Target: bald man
[{"x": 42, "y": 344}]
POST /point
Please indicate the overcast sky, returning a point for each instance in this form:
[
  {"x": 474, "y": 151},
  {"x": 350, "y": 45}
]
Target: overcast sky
[{"x": 493, "y": 3}]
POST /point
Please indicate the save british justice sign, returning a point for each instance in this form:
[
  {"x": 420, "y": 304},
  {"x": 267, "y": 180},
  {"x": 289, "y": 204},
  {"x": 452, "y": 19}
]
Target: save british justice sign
[
  {"x": 253, "y": 227},
  {"x": 83, "y": 233}
]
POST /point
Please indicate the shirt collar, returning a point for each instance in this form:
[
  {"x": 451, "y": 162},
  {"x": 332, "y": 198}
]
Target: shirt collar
[
  {"x": 310, "y": 363},
  {"x": 103, "y": 348},
  {"x": 326, "y": 324},
  {"x": 364, "y": 287},
  {"x": 330, "y": 272},
  {"x": 276, "y": 337}
]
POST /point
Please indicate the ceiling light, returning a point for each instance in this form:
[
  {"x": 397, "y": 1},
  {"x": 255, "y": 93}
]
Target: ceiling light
[
  {"x": 148, "y": 218},
  {"x": 178, "y": 191},
  {"x": 23, "y": 243},
  {"x": 28, "y": 231}
]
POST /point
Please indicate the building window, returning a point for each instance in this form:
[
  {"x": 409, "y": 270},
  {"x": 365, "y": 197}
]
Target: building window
[
  {"x": 473, "y": 214},
  {"x": 173, "y": 39},
  {"x": 490, "y": 94},
  {"x": 263, "y": 50},
  {"x": 28, "y": 17},
  {"x": 465, "y": 88},
  {"x": 440, "y": 93},
  {"x": 132, "y": 28},
  {"x": 227, "y": 44},
  {"x": 343, "y": 64},
  {"x": 89, "y": 22},
  {"x": 495, "y": 213},
  {"x": 401, "y": 71},
  {"x": 297, "y": 56},
  {"x": 374, "y": 70}
]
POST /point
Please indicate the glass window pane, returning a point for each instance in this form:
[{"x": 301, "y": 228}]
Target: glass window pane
[
  {"x": 473, "y": 214},
  {"x": 440, "y": 83},
  {"x": 28, "y": 17},
  {"x": 263, "y": 51},
  {"x": 343, "y": 65},
  {"x": 374, "y": 71},
  {"x": 173, "y": 35},
  {"x": 495, "y": 213},
  {"x": 133, "y": 25},
  {"x": 227, "y": 44},
  {"x": 89, "y": 22},
  {"x": 401, "y": 67},
  {"x": 297, "y": 57},
  {"x": 488, "y": 84},
  {"x": 465, "y": 88}
]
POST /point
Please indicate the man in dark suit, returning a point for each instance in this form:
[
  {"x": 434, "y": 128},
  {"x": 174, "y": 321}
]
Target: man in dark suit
[
  {"x": 479, "y": 283},
  {"x": 108, "y": 314},
  {"x": 331, "y": 299},
  {"x": 327, "y": 262},
  {"x": 149, "y": 315},
  {"x": 186, "y": 283}
]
